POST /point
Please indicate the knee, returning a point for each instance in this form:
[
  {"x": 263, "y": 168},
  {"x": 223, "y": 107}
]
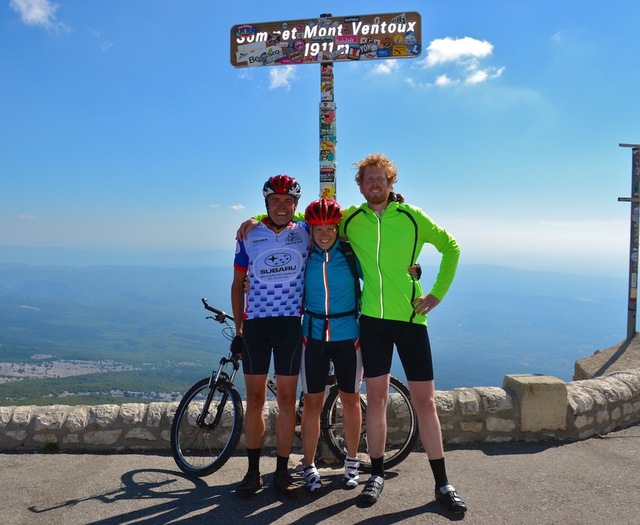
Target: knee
[
  {"x": 427, "y": 406},
  {"x": 255, "y": 401},
  {"x": 286, "y": 404},
  {"x": 430, "y": 407},
  {"x": 350, "y": 402},
  {"x": 312, "y": 406},
  {"x": 377, "y": 403}
]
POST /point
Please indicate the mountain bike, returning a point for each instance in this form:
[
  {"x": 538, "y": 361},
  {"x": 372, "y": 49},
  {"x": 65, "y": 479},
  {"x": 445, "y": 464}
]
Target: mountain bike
[{"x": 207, "y": 424}]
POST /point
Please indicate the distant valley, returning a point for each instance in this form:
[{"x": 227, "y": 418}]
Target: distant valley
[{"x": 141, "y": 332}]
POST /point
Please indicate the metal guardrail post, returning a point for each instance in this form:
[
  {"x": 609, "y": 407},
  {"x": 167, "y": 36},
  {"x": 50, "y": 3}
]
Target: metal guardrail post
[{"x": 633, "y": 238}]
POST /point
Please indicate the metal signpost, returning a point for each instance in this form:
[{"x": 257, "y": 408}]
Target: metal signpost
[
  {"x": 325, "y": 40},
  {"x": 633, "y": 238}
]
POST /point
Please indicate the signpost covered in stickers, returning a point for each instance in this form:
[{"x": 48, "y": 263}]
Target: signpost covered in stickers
[{"x": 326, "y": 40}]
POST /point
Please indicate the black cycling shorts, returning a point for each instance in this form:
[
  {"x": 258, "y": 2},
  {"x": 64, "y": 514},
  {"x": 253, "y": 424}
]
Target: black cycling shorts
[
  {"x": 280, "y": 335},
  {"x": 377, "y": 338},
  {"x": 347, "y": 364}
]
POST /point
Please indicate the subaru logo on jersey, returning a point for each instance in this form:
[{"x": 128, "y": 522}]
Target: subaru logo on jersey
[
  {"x": 277, "y": 259},
  {"x": 278, "y": 266}
]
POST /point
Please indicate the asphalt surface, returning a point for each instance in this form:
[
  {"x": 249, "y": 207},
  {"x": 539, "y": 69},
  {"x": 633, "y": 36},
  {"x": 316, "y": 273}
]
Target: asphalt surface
[{"x": 596, "y": 481}]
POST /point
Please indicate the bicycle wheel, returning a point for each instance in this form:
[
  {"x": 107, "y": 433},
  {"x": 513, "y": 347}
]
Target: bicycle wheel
[
  {"x": 402, "y": 426},
  {"x": 201, "y": 448}
]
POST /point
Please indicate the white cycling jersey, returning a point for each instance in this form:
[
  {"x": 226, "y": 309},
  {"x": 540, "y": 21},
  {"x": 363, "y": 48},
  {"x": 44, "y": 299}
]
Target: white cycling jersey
[{"x": 275, "y": 263}]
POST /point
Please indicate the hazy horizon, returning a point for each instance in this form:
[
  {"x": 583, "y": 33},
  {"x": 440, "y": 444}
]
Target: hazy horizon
[
  {"x": 494, "y": 320},
  {"x": 185, "y": 258}
]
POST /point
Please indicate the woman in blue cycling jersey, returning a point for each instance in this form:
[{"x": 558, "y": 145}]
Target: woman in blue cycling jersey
[{"x": 330, "y": 334}]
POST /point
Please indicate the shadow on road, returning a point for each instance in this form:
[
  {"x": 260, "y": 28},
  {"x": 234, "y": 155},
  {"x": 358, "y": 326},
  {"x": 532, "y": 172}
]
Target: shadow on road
[{"x": 173, "y": 497}]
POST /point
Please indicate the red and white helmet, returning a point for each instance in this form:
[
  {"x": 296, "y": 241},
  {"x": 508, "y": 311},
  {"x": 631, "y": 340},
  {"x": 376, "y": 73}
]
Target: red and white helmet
[
  {"x": 323, "y": 212},
  {"x": 282, "y": 184}
]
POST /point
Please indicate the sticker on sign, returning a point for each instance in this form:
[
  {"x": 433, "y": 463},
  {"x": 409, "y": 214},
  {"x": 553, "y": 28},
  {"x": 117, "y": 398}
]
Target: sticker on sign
[{"x": 327, "y": 39}]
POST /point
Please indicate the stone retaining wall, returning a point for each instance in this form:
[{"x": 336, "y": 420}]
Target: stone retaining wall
[{"x": 527, "y": 408}]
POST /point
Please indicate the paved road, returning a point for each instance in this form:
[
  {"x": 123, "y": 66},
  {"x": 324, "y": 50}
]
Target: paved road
[{"x": 592, "y": 482}]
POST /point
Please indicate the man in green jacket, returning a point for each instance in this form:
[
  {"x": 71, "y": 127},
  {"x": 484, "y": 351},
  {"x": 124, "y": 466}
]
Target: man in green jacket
[{"x": 387, "y": 237}]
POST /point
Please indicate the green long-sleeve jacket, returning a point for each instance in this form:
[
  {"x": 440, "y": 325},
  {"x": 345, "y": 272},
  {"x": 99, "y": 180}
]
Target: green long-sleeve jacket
[{"x": 386, "y": 246}]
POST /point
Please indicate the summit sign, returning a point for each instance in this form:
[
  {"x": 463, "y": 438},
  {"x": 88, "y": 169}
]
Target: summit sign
[{"x": 327, "y": 39}]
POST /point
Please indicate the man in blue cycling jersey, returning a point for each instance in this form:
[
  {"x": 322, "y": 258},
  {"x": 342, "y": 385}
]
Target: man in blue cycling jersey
[{"x": 272, "y": 258}]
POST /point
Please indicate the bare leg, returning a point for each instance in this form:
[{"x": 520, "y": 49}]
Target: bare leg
[
  {"x": 286, "y": 420},
  {"x": 423, "y": 398},
  {"x": 424, "y": 401},
  {"x": 254, "y": 425},
  {"x": 352, "y": 420},
  {"x": 311, "y": 425},
  {"x": 377, "y": 397}
]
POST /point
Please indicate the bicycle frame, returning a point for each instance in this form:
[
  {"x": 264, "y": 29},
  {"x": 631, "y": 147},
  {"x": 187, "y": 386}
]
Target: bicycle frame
[
  {"x": 208, "y": 422},
  {"x": 222, "y": 318},
  {"x": 214, "y": 379}
]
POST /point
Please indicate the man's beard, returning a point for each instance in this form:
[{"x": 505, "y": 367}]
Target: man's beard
[{"x": 377, "y": 199}]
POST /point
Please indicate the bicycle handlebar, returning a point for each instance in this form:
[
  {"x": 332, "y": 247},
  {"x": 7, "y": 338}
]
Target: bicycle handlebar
[{"x": 220, "y": 315}]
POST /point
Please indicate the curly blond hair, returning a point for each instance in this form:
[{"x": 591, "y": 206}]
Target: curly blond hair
[{"x": 379, "y": 160}]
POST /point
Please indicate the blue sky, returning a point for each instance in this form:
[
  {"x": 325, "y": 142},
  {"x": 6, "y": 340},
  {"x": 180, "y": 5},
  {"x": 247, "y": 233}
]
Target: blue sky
[{"x": 125, "y": 129}]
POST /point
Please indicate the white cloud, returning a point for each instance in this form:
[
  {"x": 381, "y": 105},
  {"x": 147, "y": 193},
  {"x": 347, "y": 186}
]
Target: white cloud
[
  {"x": 443, "y": 80},
  {"x": 386, "y": 67},
  {"x": 213, "y": 206},
  {"x": 238, "y": 207},
  {"x": 37, "y": 13},
  {"x": 482, "y": 75},
  {"x": 281, "y": 77},
  {"x": 443, "y": 50},
  {"x": 477, "y": 77},
  {"x": 466, "y": 55},
  {"x": 25, "y": 217}
]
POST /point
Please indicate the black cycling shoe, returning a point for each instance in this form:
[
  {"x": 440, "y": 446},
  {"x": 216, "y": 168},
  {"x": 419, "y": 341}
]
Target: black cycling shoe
[
  {"x": 451, "y": 500},
  {"x": 283, "y": 481},
  {"x": 372, "y": 490},
  {"x": 251, "y": 483}
]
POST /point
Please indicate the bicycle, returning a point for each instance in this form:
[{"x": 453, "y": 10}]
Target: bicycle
[{"x": 208, "y": 422}]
